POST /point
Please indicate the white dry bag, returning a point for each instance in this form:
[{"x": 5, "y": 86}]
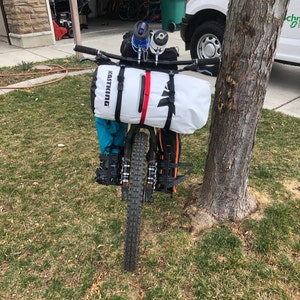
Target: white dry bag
[{"x": 160, "y": 99}]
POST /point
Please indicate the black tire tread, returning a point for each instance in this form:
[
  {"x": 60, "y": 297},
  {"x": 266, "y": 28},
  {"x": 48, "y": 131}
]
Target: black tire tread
[{"x": 135, "y": 200}]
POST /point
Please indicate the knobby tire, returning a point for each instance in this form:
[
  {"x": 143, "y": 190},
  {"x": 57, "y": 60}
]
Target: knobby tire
[{"x": 138, "y": 175}]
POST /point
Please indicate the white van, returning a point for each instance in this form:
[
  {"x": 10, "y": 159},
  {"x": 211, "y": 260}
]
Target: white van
[{"x": 202, "y": 30}]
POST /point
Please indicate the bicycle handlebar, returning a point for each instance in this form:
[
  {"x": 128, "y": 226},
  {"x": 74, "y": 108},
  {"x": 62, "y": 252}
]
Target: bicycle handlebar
[
  {"x": 86, "y": 50},
  {"x": 103, "y": 54}
]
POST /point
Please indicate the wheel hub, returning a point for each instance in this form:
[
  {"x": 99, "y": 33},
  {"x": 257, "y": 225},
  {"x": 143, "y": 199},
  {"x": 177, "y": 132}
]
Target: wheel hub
[
  {"x": 209, "y": 46},
  {"x": 209, "y": 50}
]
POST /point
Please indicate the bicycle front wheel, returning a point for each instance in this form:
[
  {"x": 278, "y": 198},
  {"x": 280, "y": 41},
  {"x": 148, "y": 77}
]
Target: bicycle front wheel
[{"x": 138, "y": 175}]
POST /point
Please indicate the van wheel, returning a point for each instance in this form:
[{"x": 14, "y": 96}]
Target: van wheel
[{"x": 207, "y": 42}]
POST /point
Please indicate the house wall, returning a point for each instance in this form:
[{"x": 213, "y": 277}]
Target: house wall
[
  {"x": 3, "y": 34},
  {"x": 28, "y": 22}
]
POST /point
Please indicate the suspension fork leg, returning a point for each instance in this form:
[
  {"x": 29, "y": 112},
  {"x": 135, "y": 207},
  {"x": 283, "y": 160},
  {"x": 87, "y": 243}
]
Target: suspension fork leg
[
  {"x": 126, "y": 162},
  {"x": 152, "y": 166}
]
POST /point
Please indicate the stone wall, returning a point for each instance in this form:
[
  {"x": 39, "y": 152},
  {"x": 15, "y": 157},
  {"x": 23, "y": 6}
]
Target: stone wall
[{"x": 28, "y": 19}]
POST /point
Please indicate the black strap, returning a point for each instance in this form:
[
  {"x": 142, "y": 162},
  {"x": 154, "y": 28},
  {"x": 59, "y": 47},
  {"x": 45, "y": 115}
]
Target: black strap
[
  {"x": 169, "y": 181},
  {"x": 120, "y": 92},
  {"x": 141, "y": 102},
  {"x": 171, "y": 101},
  {"x": 93, "y": 90}
]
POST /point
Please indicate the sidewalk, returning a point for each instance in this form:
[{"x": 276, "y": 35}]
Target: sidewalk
[{"x": 283, "y": 92}]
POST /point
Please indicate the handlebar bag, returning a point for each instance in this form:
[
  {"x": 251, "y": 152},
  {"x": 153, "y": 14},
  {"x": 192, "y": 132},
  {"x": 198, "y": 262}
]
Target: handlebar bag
[{"x": 160, "y": 99}]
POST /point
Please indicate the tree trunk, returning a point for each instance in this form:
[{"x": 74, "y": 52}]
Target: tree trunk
[{"x": 250, "y": 40}]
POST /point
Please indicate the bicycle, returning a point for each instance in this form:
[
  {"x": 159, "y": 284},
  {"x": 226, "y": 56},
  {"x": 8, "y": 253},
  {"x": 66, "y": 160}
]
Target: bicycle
[
  {"x": 139, "y": 162},
  {"x": 127, "y": 10}
]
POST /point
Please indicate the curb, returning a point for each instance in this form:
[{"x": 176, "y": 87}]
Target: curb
[{"x": 48, "y": 79}]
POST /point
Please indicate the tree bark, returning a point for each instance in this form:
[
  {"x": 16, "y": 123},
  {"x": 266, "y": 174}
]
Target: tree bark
[{"x": 250, "y": 40}]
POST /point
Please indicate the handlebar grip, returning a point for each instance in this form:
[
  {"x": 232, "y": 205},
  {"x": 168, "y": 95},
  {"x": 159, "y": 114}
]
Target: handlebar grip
[
  {"x": 208, "y": 61},
  {"x": 86, "y": 50}
]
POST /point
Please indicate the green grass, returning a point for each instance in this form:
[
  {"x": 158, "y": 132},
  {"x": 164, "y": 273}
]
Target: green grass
[{"x": 61, "y": 235}]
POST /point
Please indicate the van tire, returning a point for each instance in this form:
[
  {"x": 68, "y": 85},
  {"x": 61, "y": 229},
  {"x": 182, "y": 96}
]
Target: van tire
[{"x": 207, "y": 41}]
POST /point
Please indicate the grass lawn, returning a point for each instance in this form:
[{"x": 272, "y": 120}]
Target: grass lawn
[{"x": 62, "y": 234}]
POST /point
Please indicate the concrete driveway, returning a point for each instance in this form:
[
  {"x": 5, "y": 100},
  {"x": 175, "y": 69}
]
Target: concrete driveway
[{"x": 283, "y": 92}]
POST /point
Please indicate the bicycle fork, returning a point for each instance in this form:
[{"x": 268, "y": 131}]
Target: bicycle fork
[{"x": 151, "y": 158}]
